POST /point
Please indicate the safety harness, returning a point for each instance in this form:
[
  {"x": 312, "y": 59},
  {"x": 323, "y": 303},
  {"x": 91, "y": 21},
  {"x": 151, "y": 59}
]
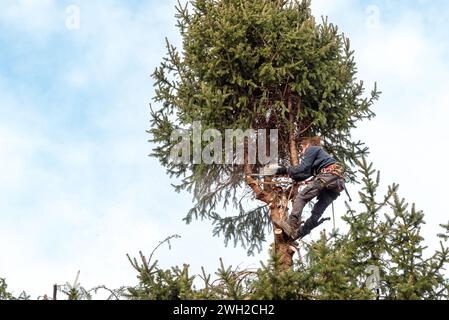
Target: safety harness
[
  {"x": 338, "y": 172},
  {"x": 334, "y": 169}
]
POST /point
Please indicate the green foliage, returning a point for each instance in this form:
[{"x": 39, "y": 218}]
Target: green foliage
[
  {"x": 274, "y": 283},
  {"x": 241, "y": 63},
  {"x": 384, "y": 235},
  {"x": 157, "y": 284},
  {"x": 75, "y": 291},
  {"x": 247, "y": 229},
  {"x": 5, "y": 295},
  {"x": 69, "y": 291},
  {"x": 392, "y": 241}
]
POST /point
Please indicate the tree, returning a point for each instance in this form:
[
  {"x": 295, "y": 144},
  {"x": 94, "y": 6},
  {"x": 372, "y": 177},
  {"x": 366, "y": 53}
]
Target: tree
[
  {"x": 5, "y": 295},
  {"x": 384, "y": 237},
  {"x": 383, "y": 243},
  {"x": 254, "y": 64}
]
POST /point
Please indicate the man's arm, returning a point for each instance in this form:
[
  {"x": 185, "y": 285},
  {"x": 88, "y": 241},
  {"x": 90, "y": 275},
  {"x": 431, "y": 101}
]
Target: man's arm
[{"x": 304, "y": 170}]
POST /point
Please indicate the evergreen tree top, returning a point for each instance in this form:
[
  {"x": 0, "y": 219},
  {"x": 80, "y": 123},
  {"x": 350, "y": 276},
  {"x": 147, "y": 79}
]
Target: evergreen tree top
[{"x": 259, "y": 64}]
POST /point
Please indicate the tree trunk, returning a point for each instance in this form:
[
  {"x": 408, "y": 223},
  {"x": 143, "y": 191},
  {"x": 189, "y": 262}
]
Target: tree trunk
[
  {"x": 280, "y": 211},
  {"x": 276, "y": 198},
  {"x": 282, "y": 245},
  {"x": 294, "y": 154},
  {"x": 277, "y": 201}
]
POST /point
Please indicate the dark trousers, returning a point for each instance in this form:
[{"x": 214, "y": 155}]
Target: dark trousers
[{"x": 326, "y": 187}]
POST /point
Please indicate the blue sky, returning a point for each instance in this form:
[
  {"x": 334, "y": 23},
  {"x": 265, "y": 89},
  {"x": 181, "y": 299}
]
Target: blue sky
[{"x": 77, "y": 189}]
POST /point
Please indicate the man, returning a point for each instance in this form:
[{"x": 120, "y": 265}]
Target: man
[{"x": 326, "y": 186}]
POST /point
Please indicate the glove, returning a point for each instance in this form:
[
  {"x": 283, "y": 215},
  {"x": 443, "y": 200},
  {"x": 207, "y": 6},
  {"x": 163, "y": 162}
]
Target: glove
[{"x": 282, "y": 171}]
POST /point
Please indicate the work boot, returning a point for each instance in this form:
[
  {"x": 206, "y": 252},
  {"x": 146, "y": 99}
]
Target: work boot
[
  {"x": 301, "y": 233},
  {"x": 294, "y": 246},
  {"x": 287, "y": 228}
]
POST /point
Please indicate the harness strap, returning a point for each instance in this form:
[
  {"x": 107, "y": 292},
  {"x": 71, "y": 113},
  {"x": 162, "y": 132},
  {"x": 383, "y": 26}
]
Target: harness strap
[
  {"x": 338, "y": 172},
  {"x": 325, "y": 184},
  {"x": 334, "y": 169},
  {"x": 347, "y": 193}
]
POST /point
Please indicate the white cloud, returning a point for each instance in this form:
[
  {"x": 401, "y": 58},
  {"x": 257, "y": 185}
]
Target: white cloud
[
  {"x": 12, "y": 157},
  {"x": 84, "y": 204},
  {"x": 398, "y": 53},
  {"x": 330, "y": 8},
  {"x": 17, "y": 143},
  {"x": 77, "y": 78},
  {"x": 33, "y": 16}
]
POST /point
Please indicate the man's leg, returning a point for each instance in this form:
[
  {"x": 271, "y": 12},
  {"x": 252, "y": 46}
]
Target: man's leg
[
  {"x": 325, "y": 198},
  {"x": 303, "y": 197},
  {"x": 291, "y": 228}
]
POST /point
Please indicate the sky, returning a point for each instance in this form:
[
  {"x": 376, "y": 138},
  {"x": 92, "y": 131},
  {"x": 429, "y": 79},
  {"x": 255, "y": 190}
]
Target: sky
[{"x": 78, "y": 190}]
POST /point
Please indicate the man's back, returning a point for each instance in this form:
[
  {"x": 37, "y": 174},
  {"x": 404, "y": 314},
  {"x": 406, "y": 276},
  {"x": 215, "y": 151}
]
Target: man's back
[{"x": 315, "y": 159}]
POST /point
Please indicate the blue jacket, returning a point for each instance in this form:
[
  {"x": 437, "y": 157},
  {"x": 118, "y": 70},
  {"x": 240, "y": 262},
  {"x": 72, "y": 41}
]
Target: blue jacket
[{"x": 315, "y": 159}]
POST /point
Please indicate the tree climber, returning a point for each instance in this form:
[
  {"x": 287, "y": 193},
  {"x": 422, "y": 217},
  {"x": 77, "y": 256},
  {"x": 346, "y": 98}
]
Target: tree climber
[{"x": 327, "y": 185}]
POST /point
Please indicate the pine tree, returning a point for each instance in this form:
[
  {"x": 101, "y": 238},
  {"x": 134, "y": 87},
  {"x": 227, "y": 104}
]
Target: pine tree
[
  {"x": 411, "y": 275},
  {"x": 6, "y": 295},
  {"x": 384, "y": 237},
  {"x": 383, "y": 242},
  {"x": 255, "y": 64}
]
